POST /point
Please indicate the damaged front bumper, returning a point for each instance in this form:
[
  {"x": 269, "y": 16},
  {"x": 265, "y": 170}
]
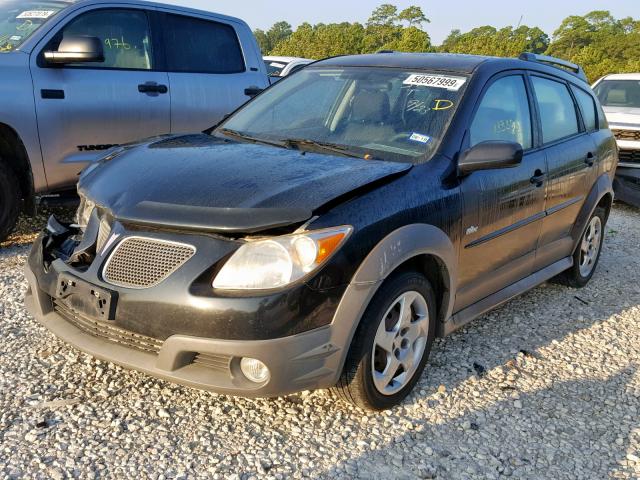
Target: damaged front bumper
[{"x": 178, "y": 330}]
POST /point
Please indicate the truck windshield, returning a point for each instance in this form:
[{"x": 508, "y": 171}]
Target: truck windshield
[
  {"x": 379, "y": 113},
  {"x": 20, "y": 19},
  {"x": 619, "y": 93}
]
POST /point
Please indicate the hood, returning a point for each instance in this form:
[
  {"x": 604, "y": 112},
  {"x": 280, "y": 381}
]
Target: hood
[
  {"x": 199, "y": 182},
  {"x": 623, "y": 116}
]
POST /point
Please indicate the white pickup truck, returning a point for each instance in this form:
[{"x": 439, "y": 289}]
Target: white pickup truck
[
  {"x": 620, "y": 98},
  {"x": 80, "y": 77}
]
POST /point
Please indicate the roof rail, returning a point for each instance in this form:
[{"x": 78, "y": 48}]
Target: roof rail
[
  {"x": 386, "y": 51},
  {"x": 572, "y": 68}
]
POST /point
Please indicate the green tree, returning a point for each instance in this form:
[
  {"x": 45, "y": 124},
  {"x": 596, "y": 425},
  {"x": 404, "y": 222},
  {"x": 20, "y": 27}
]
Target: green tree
[
  {"x": 268, "y": 40},
  {"x": 598, "y": 42},
  {"x": 414, "y": 16},
  {"x": 385, "y": 15}
]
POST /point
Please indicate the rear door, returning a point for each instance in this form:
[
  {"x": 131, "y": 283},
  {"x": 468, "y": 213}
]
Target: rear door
[
  {"x": 571, "y": 157},
  {"x": 85, "y": 108},
  {"x": 503, "y": 209},
  {"x": 208, "y": 72}
]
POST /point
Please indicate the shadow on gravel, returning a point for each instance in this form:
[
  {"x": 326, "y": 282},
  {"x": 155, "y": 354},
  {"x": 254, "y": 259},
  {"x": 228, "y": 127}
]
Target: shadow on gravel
[{"x": 570, "y": 422}]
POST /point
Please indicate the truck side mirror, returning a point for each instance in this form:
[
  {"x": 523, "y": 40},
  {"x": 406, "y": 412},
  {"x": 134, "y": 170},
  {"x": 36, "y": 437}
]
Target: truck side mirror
[{"x": 76, "y": 49}]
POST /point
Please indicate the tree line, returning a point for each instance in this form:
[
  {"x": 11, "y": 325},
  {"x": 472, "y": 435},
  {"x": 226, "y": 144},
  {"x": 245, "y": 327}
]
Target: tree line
[{"x": 597, "y": 41}]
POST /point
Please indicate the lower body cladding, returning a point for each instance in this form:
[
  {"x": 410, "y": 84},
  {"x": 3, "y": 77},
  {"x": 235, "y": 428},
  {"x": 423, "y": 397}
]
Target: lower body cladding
[
  {"x": 627, "y": 183},
  {"x": 171, "y": 341}
]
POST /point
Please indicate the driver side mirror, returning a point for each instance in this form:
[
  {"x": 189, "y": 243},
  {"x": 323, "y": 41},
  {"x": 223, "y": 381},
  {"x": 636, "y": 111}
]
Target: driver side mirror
[
  {"x": 489, "y": 156},
  {"x": 76, "y": 49}
]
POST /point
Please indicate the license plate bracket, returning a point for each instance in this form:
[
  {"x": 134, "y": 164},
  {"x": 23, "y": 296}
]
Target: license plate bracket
[{"x": 83, "y": 297}]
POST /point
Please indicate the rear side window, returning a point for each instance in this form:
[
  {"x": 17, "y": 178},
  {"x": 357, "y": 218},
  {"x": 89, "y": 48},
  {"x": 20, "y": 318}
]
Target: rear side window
[
  {"x": 201, "y": 46},
  {"x": 125, "y": 37},
  {"x": 504, "y": 114},
  {"x": 557, "y": 110},
  {"x": 587, "y": 107}
]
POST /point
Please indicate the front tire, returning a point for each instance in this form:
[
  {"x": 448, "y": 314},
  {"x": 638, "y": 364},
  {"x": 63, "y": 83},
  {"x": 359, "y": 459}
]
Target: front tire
[
  {"x": 391, "y": 345},
  {"x": 587, "y": 255},
  {"x": 9, "y": 200}
]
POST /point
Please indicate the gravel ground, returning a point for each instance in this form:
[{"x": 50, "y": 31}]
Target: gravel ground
[{"x": 547, "y": 386}]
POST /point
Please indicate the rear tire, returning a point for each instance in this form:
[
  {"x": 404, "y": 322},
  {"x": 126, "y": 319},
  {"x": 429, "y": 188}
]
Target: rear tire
[
  {"x": 10, "y": 197},
  {"x": 587, "y": 254},
  {"x": 391, "y": 345}
]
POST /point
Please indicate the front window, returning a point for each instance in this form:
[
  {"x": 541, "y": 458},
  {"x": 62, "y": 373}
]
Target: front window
[
  {"x": 20, "y": 19},
  {"x": 619, "y": 93},
  {"x": 379, "y": 113}
]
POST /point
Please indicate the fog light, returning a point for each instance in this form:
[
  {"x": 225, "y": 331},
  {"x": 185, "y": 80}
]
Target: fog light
[{"x": 254, "y": 370}]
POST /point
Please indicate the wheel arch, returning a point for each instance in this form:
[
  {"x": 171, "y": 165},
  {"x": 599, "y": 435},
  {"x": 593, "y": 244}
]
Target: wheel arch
[
  {"x": 601, "y": 195},
  {"x": 423, "y": 247},
  {"x": 14, "y": 154}
]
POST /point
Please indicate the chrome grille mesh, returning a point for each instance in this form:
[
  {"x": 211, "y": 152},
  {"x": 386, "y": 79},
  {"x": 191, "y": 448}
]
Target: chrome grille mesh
[
  {"x": 139, "y": 262},
  {"x": 627, "y": 134},
  {"x": 630, "y": 156}
]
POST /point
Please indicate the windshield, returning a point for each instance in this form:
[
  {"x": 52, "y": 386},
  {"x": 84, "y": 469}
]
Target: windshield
[
  {"x": 619, "y": 93},
  {"x": 381, "y": 113},
  {"x": 20, "y": 19},
  {"x": 274, "y": 69}
]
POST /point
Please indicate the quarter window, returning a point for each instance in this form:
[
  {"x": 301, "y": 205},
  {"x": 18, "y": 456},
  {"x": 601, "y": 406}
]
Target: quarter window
[
  {"x": 200, "y": 46},
  {"x": 557, "y": 110},
  {"x": 125, "y": 37},
  {"x": 587, "y": 107},
  {"x": 504, "y": 114}
]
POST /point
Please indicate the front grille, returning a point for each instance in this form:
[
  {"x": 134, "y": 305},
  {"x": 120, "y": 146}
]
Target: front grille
[
  {"x": 213, "y": 361},
  {"x": 627, "y": 134},
  {"x": 145, "y": 262},
  {"x": 629, "y": 156},
  {"x": 108, "y": 331}
]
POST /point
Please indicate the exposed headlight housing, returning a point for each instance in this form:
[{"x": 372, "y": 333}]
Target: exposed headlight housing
[
  {"x": 279, "y": 261},
  {"x": 85, "y": 209}
]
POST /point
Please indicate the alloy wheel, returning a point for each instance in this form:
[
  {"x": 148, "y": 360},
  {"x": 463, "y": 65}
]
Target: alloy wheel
[{"x": 400, "y": 342}]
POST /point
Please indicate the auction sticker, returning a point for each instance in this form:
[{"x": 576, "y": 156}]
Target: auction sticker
[
  {"x": 36, "y": 14},
  {"x": 418, "y": 137},
  {"x": 436, "y": 81}
]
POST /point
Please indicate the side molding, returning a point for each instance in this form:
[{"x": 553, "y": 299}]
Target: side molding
[{"x": 394, "y": 250}]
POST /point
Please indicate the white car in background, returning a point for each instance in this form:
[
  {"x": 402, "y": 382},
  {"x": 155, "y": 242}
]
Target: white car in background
[
  {"x": 283, "y": 66},
  {"x": 620, "y": 98}
]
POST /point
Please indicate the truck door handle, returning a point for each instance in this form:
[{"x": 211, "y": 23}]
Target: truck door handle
[
  {"x": 152, "y": 88},
  {"x": 590, "y": 159},
  {"x": 538, "y": 178},
  {"x": 252, "y": 91}
]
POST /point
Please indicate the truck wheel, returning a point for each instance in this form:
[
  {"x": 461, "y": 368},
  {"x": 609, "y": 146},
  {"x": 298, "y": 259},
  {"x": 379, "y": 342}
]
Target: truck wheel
[
  {"x": 587, "y": 255},
  {"x": 391, "y": 346},
  {"x": 9, "y": 200}
]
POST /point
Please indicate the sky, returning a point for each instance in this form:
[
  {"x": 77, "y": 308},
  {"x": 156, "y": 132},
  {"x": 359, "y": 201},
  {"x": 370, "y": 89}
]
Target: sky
[{"x": 461, "y": 14}]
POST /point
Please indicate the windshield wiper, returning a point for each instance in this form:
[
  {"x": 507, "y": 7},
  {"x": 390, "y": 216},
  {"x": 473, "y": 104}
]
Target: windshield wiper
[
  {"x": 297, "y": 143},
  {"x": 248, "y": 138}
]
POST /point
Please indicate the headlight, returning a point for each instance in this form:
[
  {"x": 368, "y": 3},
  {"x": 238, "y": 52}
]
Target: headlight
[{"x": 279, "y": 261}]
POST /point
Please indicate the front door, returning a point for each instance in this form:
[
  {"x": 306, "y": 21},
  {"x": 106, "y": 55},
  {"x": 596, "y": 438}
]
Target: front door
[
  {"x": 85, "y": 108},
  {"x": 504, "y": 208}
]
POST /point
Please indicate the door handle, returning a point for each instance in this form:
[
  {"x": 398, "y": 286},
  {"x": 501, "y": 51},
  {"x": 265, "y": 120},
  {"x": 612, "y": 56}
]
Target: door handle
[
  {"x": 253, "y": 91},
  {"x": 538, "y": 178},
  {"x": 152, "y": 88},
  {"x": 590, "y": 159}
]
